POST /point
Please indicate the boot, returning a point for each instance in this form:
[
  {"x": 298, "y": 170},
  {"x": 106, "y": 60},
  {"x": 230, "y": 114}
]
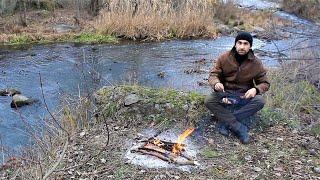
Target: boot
[
  {"x": 241, "y": 131},
  {"x": 223, "y": 128}
]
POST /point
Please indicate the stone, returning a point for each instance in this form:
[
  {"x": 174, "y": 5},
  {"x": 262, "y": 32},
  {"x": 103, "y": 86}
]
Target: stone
[
  {"x": 257, "y": 169},
  {"x": 103, "y": 160},
  {"x": 9, "y": 92},
  {"x": 316, "y": 169},
  {"x": 248, "y": 158},
  {"x": 169, "y": 106},
  {"x": 19, "y": 100},
  {"x": 131, "y": 99},
  {"x": 82, "y": 134},
  {"x": 312, "y": 152},
  {"x": 61, "y": 28},
  {"x": 280, "y": 139}
]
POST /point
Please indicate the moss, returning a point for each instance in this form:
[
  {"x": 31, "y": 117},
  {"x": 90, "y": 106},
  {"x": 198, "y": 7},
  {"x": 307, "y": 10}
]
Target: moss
[
  {"x": 160, "y": 106},
  {"x": 93, "y": 38},
  {"x": 22, "y": 39},
  {"x": 209, "y": 153},
  {"x": 316, "y": 130}
]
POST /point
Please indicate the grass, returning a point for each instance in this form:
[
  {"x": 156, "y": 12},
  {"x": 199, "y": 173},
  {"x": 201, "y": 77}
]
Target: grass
[
  {"x": 209, "y": 153},
  {"x": 290, "y": 98},
  {"x": 306, "y": 8},
  {"x": 22, "y": 39},
  {"x": 159, "y": 106},
  {"x": 180, "y": 19}
]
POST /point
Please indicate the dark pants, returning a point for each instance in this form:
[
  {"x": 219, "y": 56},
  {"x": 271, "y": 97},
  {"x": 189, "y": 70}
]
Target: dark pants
[{"x": 243, "y": 108}]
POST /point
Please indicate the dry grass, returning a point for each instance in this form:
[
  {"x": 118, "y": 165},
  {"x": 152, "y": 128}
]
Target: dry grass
[
  {"x": 305, "y": 8},
  {"x": 158, "y": 19}
]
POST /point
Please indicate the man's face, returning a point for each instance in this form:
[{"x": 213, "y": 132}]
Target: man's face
[{"x": 242, "y": 47}]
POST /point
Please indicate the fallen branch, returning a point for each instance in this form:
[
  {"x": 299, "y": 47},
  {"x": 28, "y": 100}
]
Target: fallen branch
[{"x": 48, "y": 173}]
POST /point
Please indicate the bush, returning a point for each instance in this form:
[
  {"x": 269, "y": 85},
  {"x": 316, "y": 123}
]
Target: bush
[{"x": 305, "y": 8}]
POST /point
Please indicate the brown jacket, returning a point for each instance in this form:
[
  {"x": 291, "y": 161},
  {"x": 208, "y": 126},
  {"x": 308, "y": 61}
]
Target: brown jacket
[{"x": 250, "y": 74}]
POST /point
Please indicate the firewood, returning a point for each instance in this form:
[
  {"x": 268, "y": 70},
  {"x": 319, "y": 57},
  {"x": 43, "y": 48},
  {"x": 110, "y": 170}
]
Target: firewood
[{"x": 153, "y": 153}]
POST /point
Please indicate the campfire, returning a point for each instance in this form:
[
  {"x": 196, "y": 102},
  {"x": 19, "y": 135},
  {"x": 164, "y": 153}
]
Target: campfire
[{"x": 168, "y": 151}]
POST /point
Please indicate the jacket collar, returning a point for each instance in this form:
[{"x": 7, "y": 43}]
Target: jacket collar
[{"x": 250, "y": 53}]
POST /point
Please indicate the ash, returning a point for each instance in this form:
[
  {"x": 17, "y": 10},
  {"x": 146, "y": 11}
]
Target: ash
[{"x": 149, "y": 161}]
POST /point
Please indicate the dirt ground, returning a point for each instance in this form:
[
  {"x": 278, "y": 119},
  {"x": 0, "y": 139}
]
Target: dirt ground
[{"x": 277, "y": 152}]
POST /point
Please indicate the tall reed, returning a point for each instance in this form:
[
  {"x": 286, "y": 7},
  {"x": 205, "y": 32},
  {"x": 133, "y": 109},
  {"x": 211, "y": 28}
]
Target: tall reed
[{"x": 158, "y": 19}]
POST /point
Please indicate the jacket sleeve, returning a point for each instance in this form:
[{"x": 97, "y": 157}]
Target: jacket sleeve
[
  {"x": 261, "y": 80},
  {"x": 215, "y": 73}
]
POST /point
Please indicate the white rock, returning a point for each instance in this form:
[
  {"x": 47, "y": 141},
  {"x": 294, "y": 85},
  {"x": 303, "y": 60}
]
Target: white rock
[
  {"x": 82, "y": 134},
  {"x": 316, "y": 170},
  {"x": 103, "y": 160},
  {"x": 131, "y": 99},
  {"x": 257, "y": 169}
]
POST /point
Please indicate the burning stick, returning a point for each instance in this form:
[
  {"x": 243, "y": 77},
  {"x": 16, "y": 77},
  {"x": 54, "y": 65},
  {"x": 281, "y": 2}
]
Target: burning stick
[{"x": 168, "y": 151}]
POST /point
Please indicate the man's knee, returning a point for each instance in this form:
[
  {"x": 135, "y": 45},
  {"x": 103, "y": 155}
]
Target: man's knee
[
  {"x": 211, "y": 100},
  {"x": 259, "y": 101}
]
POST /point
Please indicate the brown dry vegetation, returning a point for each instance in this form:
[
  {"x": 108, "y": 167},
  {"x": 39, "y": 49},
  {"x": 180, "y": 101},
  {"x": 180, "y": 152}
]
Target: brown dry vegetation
[
  {"x": 151, "y": 20},
  {"x": 306, "y": 8},
  {"x": 177, "y": 19}
]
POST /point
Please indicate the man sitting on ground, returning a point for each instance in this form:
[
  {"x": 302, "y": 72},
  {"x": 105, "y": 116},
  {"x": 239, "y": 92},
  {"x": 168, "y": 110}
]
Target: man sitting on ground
[{"x": 237, "y": 78}]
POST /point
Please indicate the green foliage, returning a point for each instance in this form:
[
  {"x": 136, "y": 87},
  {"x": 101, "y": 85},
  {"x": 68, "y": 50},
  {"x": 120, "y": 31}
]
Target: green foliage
[
  {"x": 287, "y": 99},
  {"x": 121, "y": 173},
  {"x": 316, "y": 129},
  {"x": 110, "y": 109},
  {"x": 270, "y": 116},
  {"x": 159, "y": 106},
  {"x": 20, "y": 39},
  {"x": 209, "y": 153},
  {"x": 93, "y": 38}
]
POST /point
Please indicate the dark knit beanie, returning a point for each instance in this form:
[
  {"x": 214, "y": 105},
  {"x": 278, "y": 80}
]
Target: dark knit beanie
[{"x": 244, "y": 36}]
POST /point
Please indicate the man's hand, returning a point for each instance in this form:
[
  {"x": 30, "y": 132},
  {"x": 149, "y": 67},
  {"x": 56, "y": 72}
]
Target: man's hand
[
  {"x": 250, "y": 93},
  {"x": 219, "y": 87}
]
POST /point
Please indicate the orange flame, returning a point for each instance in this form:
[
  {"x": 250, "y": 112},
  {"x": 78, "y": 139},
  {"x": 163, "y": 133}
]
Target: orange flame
[{"x": 178, "y": 147}]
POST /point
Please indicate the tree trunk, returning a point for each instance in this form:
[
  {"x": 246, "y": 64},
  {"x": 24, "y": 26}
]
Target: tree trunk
[
  {"x": 94, "y": 7},
  {"x": 23, "y": 13}
]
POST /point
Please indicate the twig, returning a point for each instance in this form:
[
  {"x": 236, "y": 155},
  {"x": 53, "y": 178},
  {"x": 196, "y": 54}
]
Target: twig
[
  {"x": 98, "y": 154},
  {"x": 47, "y": 108},
  {"x": 48, "y": 173}
]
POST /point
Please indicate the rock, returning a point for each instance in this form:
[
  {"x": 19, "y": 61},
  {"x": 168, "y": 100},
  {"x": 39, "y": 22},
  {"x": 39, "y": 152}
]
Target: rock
[
  {"x": 169, "y": 106},
  {"x": 248, "y": 158},
  {"x": 19, "y": 100},
  {"x": 61, "y": 28},
  {"x": 103, "y": 160},
  {"x": 9, "y": 92},
  {"x": 316, "y": 169},
  {"x": 82, "y": 134},
  {"x": 185, "y": 107},
  {"x": 280, "y": 139},
  {"x": 277, "y": 174},
  {"x": 257, "y": 169},
  {"x": 201, "y": 83},
  {"x": 161, "y": 74},
  {"x": 157, "y": 107},
  {"x": 224, "y": 29},
  {"x": 200, "y": 61},
  {"x": 131, "y": 99},
  {"x": 312, "y": 152}
]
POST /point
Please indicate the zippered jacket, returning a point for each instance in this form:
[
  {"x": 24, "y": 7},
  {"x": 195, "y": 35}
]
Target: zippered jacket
[{"x": 239, "y": 78}]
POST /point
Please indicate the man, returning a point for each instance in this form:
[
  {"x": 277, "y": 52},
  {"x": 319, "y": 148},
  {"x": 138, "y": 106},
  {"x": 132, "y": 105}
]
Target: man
[{"x": 237, "y": 78}]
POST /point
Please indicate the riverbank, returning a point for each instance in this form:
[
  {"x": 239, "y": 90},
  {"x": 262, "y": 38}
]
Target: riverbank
[
  {"x": 284, "y": 144},
  {"x": 208, "y": 20}
]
